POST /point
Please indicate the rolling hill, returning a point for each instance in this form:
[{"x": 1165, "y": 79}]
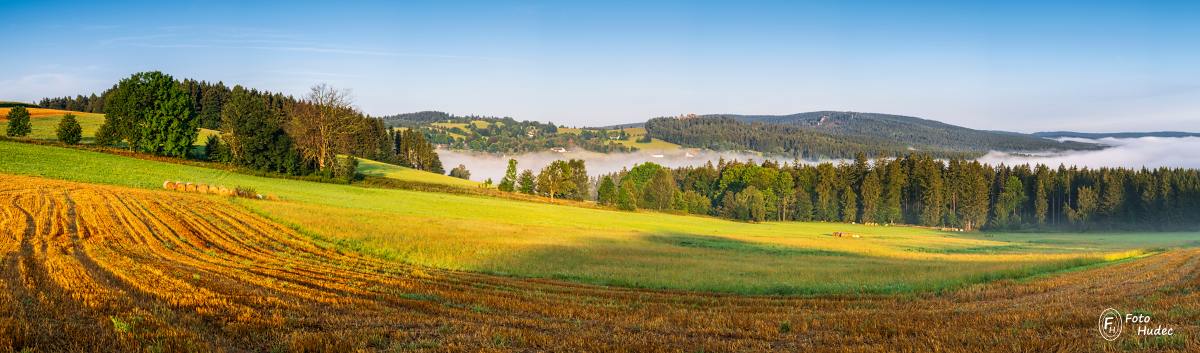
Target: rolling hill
[{"x": 918, "y": 133}]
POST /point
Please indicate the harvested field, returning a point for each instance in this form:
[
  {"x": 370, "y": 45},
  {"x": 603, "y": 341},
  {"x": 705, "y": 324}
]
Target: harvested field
[{"x": 99, "y": 268}]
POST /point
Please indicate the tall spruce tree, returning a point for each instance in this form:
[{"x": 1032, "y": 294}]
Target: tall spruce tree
[
  {"x": 508, "y": 183},
  {"x": 869, "y": 198}
]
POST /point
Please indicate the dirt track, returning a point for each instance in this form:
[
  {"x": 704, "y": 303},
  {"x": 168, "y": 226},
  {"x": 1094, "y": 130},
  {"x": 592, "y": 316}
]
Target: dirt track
[{"x": 96, "y": 268}]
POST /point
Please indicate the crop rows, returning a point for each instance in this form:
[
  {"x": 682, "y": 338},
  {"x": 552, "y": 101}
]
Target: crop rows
[{"x": 96, "y": 268}]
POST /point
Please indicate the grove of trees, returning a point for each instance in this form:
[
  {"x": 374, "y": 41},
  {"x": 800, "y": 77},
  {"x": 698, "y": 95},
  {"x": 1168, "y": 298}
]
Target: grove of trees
[
  {"x": 919, "y": 190},
  {"x": 559, "y": 180},
  {"x": 319, "y": 133}
]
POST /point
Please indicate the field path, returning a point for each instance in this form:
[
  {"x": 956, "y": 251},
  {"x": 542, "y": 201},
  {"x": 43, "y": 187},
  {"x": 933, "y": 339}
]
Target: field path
[{"x": 90, "y": 268}]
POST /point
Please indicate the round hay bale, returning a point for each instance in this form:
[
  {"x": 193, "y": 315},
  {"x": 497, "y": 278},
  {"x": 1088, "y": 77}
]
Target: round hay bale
[
  {"x": 190, "y": 187},
  {"x": 202, "y": 188},
  {"x": 168, "y": 185},
  {"x": 179, "y": 186}
]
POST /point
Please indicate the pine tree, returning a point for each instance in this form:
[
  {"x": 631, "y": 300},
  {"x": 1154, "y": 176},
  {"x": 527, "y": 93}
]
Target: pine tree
[
  {"x": 1005, "y": 213},
  {"x": 826, "y": 207},
  {"x": 1041, "y": 202},
  {"x": 508, "y": 183},
  {"x": 849, "y": 205},
  {"x": 869, "y": 198},
  {"x": 1086, "y": 204},
  {"x": 1112, "y": 196},
  {"x": 606, "y": 194},
  {"x": 975, "y": 198},
  {"x": 893, "y": 191},
  {"x": 804, "y": 206}
]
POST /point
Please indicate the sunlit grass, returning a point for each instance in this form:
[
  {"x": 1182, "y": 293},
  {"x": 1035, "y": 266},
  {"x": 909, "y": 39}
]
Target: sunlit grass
[
  {"x": 641, "y": 249},
  {"x": 44, "y": 123},
  {"x": 380, "y": 169},
  {"x": 653, "y": 145}
]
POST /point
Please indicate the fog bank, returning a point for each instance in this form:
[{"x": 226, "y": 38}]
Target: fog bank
[
  {"x": 483, "y": 165},
  {"x": 1149, "y": 152}
]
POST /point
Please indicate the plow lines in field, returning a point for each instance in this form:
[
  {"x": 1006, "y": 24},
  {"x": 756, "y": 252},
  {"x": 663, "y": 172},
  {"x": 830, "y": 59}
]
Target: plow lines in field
[{"x": 97, "y": 268}]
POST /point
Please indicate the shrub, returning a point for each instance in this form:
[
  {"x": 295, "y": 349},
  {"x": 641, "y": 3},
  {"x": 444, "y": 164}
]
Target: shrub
[
  {"x": 244, "y": 191},
  {"x": 69, "y": 131},
  {"x": 460, "y": 172},
  {"x": 346, "y": 169},
  {"x": 214, "y": 150}
]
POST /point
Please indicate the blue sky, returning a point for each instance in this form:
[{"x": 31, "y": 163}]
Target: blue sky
[{"x": 1011, "y": 65}]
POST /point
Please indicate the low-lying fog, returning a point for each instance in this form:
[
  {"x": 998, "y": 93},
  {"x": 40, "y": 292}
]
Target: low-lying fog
[
  {"x": 483, "y": 166},
  {"x": 1149, "y": 152}
]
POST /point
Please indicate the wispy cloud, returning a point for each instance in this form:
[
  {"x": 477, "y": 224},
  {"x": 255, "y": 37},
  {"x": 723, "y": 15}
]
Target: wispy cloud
[
  {"x": 31, "y": 87},
  {"x": 188, "y": 37},
  {"x": 314, "y": 74}
]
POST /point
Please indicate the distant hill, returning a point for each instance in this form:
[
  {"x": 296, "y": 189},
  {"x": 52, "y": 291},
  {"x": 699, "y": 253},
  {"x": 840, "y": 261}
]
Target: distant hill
[
  {"x": 917, "y": 133},
  {"x": 7, "y": 104},
  {"x": 416, "y": 119},
  {"x": 1099, "y": 135}
]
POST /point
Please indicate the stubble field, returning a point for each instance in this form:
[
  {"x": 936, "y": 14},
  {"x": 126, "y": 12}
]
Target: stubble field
[{"x": 101, "y": 268}]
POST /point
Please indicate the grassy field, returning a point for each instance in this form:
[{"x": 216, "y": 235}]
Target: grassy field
[
  {"x": 380, "y": 169},
  {"x": 44, "y": 123},
  {"x": 654, "y": 145},
  {"x": 649, "y": 250}
]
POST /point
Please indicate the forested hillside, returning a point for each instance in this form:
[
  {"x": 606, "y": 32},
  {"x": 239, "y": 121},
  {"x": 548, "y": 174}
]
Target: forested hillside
[
  {"x": 726, "y": 133},
  {"x": 505, "y": 135},
  {"x": 841, "y": 134}
]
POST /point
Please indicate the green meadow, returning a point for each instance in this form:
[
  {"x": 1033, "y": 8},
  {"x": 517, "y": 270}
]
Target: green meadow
[
  {"x": 637, "y": 249},
  {"x": 46, "y": 127}
]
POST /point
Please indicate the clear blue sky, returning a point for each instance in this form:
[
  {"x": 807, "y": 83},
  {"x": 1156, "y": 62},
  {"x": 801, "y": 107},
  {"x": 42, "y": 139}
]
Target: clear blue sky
[{"x": 1011, "y": 65}]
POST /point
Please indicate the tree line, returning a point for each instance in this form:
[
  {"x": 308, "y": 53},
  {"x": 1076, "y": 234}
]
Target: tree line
[
  {"x": 916, "y": 189},
  {"x": 80, "y": 103},
  {"x": 317, "y": 134}
]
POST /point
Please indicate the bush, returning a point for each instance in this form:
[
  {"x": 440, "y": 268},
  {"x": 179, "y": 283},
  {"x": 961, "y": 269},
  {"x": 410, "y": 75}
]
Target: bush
[
  {"x": 69, "y": 131},
  {"x": 244, "y": 191},
  {"x": 461, "y": 172},
  {"x": 346, "y": 169},
  {"x": 214, "y": 150}
]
